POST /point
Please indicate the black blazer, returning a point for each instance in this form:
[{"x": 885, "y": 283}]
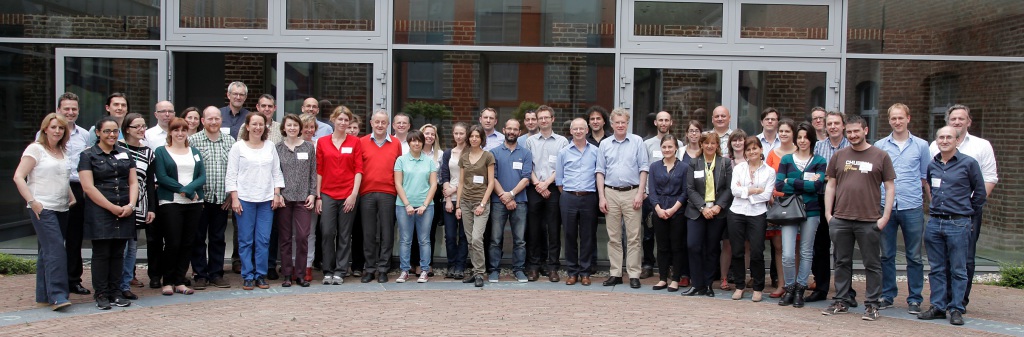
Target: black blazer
[{"x": 695, "y": 186}]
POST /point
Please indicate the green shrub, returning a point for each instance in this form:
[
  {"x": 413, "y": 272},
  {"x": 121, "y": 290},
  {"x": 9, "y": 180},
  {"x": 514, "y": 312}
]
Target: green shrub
[
  {"x": 13, "y": 265},
  {"x": 1012, "y": 275}
]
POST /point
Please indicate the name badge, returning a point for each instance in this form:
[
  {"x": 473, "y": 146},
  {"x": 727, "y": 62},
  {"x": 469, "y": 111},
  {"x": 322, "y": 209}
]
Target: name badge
[
  {"x": 552, "y": 159},
  {"x": 657, "y": 155},
  {"x": 809, "y": 176},
  {"x": 225, "y": 130},
  {"x": 478, "y": 179},
  {"x": 936, "y": 182},
  {"x": 866, "y": 167},
  {"x": 302, "y": 156},
  {"x": 517, "y": 165},
  {"x": 142, "y": 166},
  {"x": 346, "y": 150},
  {"x": 121, "y": 155},
  {"x": 698, "y": 174},
  {"x": 196, "y": 157}
]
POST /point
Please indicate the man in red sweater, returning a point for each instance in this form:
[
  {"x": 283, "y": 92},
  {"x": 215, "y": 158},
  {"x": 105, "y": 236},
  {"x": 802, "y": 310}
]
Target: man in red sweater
[{"x": 377, "y": 197}]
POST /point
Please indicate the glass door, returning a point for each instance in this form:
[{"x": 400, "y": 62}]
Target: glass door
[
  {"x": 94, "y": 74},
  {"x": 355, "y": 80}
]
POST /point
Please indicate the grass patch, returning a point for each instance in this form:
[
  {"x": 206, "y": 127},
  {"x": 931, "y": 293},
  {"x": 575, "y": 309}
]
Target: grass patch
[
  {"x": 1012, "y": 275},
  {"x": 13, "y": 265}
]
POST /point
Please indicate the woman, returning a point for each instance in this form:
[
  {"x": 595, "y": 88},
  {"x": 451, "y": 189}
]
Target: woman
[
  {"x": 785, "y": 133},
  {"x": 415, "y": 182},
  {"x": 456, "y": 247},
  {"x": 298, "y": 165},
  {"x": 736, "y": 140},
  {"x": 192, "y": 116},
  {"x": 181, "y": 173},
  {"x": 339, "y": 169},
  {"x": 309, "y": 127},
  {"x": 693, "y": 131},
  {"x": 42, "y": 179},
  {"x": 667, "y": 182},
  {"x": 254, "y": 180},
  {"x": 476, "y": 169},
  {"x": 752, "y": 185},
  {"x": 708, "y": 195},
  {"x": 800, "y": 173},
  {"x": 358, "y": 259},
  {"x": 133, "y": 128},
  {"x": 108, "y": 180},
  {"x": 432, "y": 149}
]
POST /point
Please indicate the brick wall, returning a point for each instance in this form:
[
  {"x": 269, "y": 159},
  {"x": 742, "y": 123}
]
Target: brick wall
[
  {"x": 249, "y": 69},
  {"x": 84, "y": 27}
]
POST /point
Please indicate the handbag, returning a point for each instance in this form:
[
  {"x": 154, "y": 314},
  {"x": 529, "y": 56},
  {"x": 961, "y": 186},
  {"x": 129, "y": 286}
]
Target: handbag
[{"x": 788, "y": 210}]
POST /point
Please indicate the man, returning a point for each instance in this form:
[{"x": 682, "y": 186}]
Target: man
[
  {"x": 156, "y": 136},
  {"x": 574, "y": 175},
  {"x": 958, "y": 192},
  {"x": 377, "y": 197},
  {"x": 401, "y": 123},
  {"x": 67, "y": 106},
  {"x": 770, "y": 126},
  {"x": 488, "y": 118},
  {"x": 311, "y": 107},
  {"x": 208, "y": 252},
  {"x": 512, "y": 168},
  {"x": 116, "y": 108},
  {"x": 851, "y": 208},
  {"x": 959, "y": 117},
  {"x": 265, "y": 105},
  {"x": 623, "y": 179},
  {"x": 234, "y": 114},
  {"x": 721, "y": 118},
  {"x": 910, "y": 159},
  {"x": 530, "y": 122},
  {"x": 818, "y": 122},
  {"x": 821, "y": 267},
  {"x": 663, "y": 124},
  {"x": 543, "y": 244},
  {"x": 598, "y": 121}
]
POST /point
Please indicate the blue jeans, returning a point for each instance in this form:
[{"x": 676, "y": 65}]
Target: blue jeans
[
  {"x": 517, "y": 219},
  {"x": 130, "y": 250},
  {"x": 912, "y": 222},
  {"x": 406, "y": 224},
  {"x": 807, "y": 231},
  {"x": 254, "y": 237},
  {"x": 52, "y": 263},
  {"x": 455, "y": 244},
  {"x": 947, "y": 243}
]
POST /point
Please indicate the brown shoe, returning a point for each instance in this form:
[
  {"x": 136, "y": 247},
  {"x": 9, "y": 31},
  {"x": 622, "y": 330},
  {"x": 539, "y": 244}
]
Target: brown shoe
[
  {"x": 532, "y": 275},
  {"x": 571, "y": 280},
  {"x": 585, "y": 280},
  {"x": 553, "y": 275}
]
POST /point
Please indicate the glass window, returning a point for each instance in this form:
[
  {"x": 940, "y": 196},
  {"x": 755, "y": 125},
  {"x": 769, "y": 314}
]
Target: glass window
[
  {"x": 687, "y": 94},
  {"x": 347, "y": 15},
  {"x": 251, "y": 14},
  {"x": 678, "y": 19},
  {"x": 498, "y": 22},
  {"x": 348, "y": 84},
  {"x": 504, "y": 81},
  {"x": 112, "y": 19},
  {"x": 799, "y": 22},
  {"x": 425, "y": 79},
  {"x": 789, "y": 92}
]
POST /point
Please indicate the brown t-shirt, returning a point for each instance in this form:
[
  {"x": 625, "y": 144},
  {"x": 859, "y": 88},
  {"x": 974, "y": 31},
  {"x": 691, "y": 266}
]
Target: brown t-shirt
[
  {"x": 858, "y": 175},
  {"x": 474, "y": 176}
]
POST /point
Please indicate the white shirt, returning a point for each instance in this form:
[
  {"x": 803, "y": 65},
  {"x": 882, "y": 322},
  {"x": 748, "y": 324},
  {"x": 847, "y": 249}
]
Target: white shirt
[
  {"x": 744, "y": 203},
  {"x": 186, "y": 166},
  {"x": 253, "y": 173},
  {"x": 979, "y": 149},
  {"x": 545, "y": 153},
  {"x": 155, "y": 137},
  {"x": 48, "y": 181}
]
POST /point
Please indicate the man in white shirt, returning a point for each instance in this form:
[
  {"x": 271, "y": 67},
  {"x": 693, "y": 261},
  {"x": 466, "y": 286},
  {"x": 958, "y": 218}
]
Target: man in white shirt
[
  {"x": 401, "y": 123},
  {"x": 818, "y": 122},
  {"x": 721, "y": 118},
  {"x": 769, "y": 124},
  {"x": 488, "y": 118},
  {"x": 157, "y": 136},
  {"x": 67, "y": 106},
  {"x": 543, "y": 222}
]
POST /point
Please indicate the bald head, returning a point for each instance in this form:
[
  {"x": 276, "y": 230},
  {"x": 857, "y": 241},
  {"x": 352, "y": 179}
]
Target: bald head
[
  {"x": 311, "y": 106},
  {"x": 720, "y": 118},
  {"x": 211, "y": 120},
  {"x": 663, "y": 121}
]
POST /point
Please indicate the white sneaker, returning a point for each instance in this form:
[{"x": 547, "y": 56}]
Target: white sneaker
[
  {"x": 338, "y": 280},
  {"x": 402, "y": 277},
  {"x": 423, "y": 277},
  {"x": 327, "y": 280}
]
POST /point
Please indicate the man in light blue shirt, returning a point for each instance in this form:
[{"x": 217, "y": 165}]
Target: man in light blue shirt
[
  {"x": 312, "y": 107},
  {"x": 488, "y": 119},
  {"x": 910, "y": 159},
  {"x": 577, "y": 184},
  {"x": 543, "y": 246},
  {"x": 512, "y": 168},
  {"x": 67, "y": 106},
  {"x": 622, "y": 181},
  {"x": 769, "y": 136}
]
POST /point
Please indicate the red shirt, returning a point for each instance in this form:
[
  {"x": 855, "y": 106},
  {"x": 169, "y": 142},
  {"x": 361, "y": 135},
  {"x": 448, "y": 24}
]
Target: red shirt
[
  {"x": 338, "y": 166},
  {"x": 381, "y": 161}
]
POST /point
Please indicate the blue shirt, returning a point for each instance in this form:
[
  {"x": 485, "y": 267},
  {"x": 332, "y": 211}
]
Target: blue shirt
[
  {"x": 668, "y": 187},
  {"x": 233, "y": 122},
  {"x": 825, "y": 149},
  {"x": 766, "y": 146},
  {"x": 545, "y": 153},
  {"x": 510, "y": 167},
  {"x": 575, "y": 169},
  {"x": 493, "y": 141},
  {"x": 958, "y": 187},
  {"x": 322, "y": 129},
  {"x": 623, "y": 160},
  {"x": 911, "y": 165}
]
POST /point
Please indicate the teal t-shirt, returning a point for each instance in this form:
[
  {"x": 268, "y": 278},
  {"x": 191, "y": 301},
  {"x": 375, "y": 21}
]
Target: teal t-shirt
[{"x": 415, "y": 177}]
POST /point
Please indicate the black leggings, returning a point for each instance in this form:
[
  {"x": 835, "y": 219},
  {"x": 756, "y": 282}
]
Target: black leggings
[
  {"x": 107, "y": 267},
  {"x": 670, "y": 235},
  {"x": 178, "y": 230},
  {"x": 744, "y": 228}
]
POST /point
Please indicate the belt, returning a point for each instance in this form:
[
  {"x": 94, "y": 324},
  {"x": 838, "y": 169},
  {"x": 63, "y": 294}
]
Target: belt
[
  {"x": 623, "y": 189},
  {"x": 579, "y": 193},
  {"x": 948, "y": 217}
]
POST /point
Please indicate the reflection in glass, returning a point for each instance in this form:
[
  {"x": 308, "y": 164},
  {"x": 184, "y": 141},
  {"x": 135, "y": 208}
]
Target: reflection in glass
[
  {"x": 792, "y": 93},
  {"x": 685, "y": 93},
  {"x": 93, "y": 79},
  {"x": 250, "y": 14},
  {"x": 343, "y": 15},
  {"x": 348, "y": 84},
  {"x": 680, "y": 19},
  {"x": 110, "y": 19},
  {"x": 799, "y": 22}
]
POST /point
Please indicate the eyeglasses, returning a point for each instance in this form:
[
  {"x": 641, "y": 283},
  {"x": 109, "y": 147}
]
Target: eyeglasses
[
  {"x": 139, "y": 126},
  {"x": 110, "y": 131},
  {"x": 165, "y": 111},
  {"x": 238, "y": 94},
  {"x": 818, "y": 118},
  {"x": 693, "y": 131}
]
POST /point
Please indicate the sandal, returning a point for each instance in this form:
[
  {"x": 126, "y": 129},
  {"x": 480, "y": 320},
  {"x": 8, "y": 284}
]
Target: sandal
[
  {"x": 182, "y": 289},
  {"x": 167, "y": 291},
  {"x": 725, "y": 285}
]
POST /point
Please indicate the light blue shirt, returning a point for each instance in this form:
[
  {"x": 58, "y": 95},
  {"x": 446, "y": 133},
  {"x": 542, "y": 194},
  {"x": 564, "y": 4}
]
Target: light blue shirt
[
  {"x": 825, "y": 149},
  {"x": 322, "y": 129},
  {"x": 510, "y": 167},
  {"x": 545, "y": 153},
  {"x": 415, "y": 178},
  {"x": 911, "y": 165},
  {"x": 766, "y": 146},
  {"x": 575, "y": 169},
  {"x": 623, "y": 160},
  {"x": 494, "y": 140}
]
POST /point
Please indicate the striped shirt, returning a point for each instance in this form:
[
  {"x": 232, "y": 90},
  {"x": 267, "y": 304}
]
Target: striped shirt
[
  {"x": 216, "y": 155},
  {"x": 825, "y": 149},
  {"x": 299, "y": 169},
  {"x": 143, "y": 157}
]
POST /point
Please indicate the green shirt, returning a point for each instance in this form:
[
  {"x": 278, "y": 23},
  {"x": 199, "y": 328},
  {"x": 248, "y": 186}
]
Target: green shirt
[{"x": 415, "y": 178}]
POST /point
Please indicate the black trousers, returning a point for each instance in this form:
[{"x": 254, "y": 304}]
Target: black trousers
[
  {"x": 821, "y": 267},
  {"x": 177, "y": 226},
  {"x": 647, "y": 235},
  {"x": 671, "y": 236},
  {"x": 107, "y": 267},
  {"x": 579, "y": 216},
  {"x": 702, "y": 244},
  {"x": 744, "y": 228},
  {"x": 543, "y": 229},
  {"x": 73, "y": 235}
]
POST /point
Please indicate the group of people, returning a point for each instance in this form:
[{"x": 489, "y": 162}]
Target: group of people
[{"x": 302, "y": 185}]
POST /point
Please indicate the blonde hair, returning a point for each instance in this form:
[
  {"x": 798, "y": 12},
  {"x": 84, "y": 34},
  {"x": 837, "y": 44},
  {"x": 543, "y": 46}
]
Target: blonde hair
[
  {"x": 63, "y": 142},
  {"x": 436, "y": 148}
]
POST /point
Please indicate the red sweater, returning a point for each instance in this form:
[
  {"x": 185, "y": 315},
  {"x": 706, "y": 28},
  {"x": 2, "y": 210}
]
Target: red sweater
[
  {"x": 338, "y": 167},
  {"x": 379, "y": 165}
]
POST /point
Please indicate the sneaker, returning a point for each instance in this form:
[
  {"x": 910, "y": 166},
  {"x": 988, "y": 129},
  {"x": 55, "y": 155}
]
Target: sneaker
[
  {"x": 478, "y": 281},
  {"x": 914, "y": 308},
  {"x": 121, "y": 302},
  {"x": 424, "y": 277},
  {"x": 337, "y": 280},
  {"x": 200, "y": 283},
  {"x": 248, "y": 284},
  {"x": 328, "y": 280},
  {"x": 261, "y": 282},
  {"x": 870, "y": 313},
  {"x": 103, "y": 303},
  {"x": 402, "y": 277},
  {"x": 521, "y": 276},
  {"x": 955, "y": 317},
  {"x": 219, "y": 282},
  {"x": 837, "y": 307},
  {"x": 932, "y": 313},
  {"x": 493, "y": 277},
  {"x": 884, "y": 304},
  {"x": 59, "y": 306}
]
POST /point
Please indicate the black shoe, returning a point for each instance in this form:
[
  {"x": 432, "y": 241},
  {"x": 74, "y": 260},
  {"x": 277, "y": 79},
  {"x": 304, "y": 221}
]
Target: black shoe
[
  {"x": 382, "y": 277},
  {"x": 103, "y": 303},
  {"x": 470, "y": 279},
  {"x": 816, "y": 296},
  {"x": 955, "y": 317},
  {"x": 852, "y": 302},
  {"x": 634, "y": 283},
  {"x": 261, "y": 282},
  {"x": 77, "y": 288},
  {"x": 121, "y": 302},
  {"x": 709, "y": 292},
  {"x": 301, "y": 282},
  {"x": 661, "y": 287},
  {"x": 611, "y": 281},
  {"x": 478, "y": 281},
  {"x": 154, "y": 284},
  {"x": 458, "y": 275},
  {"x": 647, "y": 271},
  {"x": 798, "y": 296},
  {"x": 932, "y": 313},
  {"x": 272, "y": 274},
  {"x": 129, "y": 295},
  {"x": 367, "y": 277},
  {"x": 787, "y": 297},
  {"x": 236, "y": 266},
  {"x": 694, "y": 291},
  {"x": 357, "y": 273}
]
